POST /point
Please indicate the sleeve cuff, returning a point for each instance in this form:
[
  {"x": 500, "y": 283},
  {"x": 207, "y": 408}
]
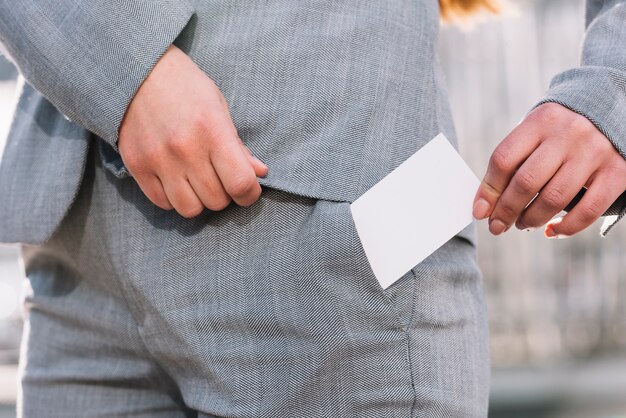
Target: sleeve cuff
[
  {"x": 90, "y": 63},
  {"x": 599, "y": 94},
  {"x": 159, "y": 35}
]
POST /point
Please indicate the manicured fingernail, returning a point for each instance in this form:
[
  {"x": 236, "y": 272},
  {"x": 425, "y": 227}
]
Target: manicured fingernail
[
  {"x": 481, "y": 209},
  {"x": 497, "y": 227},
  {"x": 549, "y": 232}
]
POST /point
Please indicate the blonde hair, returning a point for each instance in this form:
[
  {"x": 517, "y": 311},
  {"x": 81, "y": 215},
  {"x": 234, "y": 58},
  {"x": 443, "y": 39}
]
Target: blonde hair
[{"x": 460, "y": 9}]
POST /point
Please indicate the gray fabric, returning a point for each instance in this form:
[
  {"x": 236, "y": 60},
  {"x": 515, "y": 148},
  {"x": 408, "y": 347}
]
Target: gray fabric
[
  {"x": 90, "y": 56},
  {"x": 5, "y": 53},
  {"x": 265, "y": 311},
  {"x": 597, "y": 89},
  {"x": 41, "y": 169},
  {"x": 332, "y": 95}
]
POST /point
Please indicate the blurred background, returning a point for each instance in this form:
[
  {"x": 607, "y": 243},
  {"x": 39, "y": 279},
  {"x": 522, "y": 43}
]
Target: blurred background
[{"x": 557, "y": 307}]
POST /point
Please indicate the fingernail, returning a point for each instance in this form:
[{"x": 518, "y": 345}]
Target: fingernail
[
  {"x": 550, "y": 233},
  {"x": 481, "y": 209},
  {"x": 497, "y": 227}
]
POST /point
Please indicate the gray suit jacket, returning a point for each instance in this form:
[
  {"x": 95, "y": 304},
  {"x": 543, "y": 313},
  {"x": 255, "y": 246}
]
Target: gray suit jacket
[{"x": 331, "y": 94}]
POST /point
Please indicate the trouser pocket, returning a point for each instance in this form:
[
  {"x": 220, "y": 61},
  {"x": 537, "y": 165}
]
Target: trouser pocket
[{"x": 340, "y": 248}]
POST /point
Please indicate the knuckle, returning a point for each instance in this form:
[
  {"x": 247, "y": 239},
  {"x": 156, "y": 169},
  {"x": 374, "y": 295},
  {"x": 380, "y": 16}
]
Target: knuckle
[
  {"x": 178, "y": 145},
  {"x": 166, "y": 206},
  {"x": 500, "y": 159},
  {"x": 219, "y": 203},
  {"x": 507, "y": 212},
  {"x": 190, "y": 211},
  {"x": 162, "y": 203},
  {"x": 549, "y": 113},
  {"x": 256, "y": 193},
  {"x": 210, "y": 128},
  {"x": 149, "y": 192},
  {"x": 590, "y": 211},
  {"x": 580, "y": 125},
  {"x": 242, "y": 186},
  {"x": 158, "y": 198},
  {"x": 554, "y": 198},
  {"x": 200, "y": 125},
  {"x": 525, "y": 181}
]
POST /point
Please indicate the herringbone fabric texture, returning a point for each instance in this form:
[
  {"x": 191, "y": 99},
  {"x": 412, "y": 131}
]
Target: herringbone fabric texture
[
  {"x": 266, "y": 311},
  {"x": 332, "y": 95}
]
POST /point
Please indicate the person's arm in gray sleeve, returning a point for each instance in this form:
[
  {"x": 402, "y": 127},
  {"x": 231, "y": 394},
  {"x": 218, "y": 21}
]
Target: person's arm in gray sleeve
[
  {"x": 89, "y": 57},
  {"x": 573, "y": 140},
  {"x": 597, "y": 89}
]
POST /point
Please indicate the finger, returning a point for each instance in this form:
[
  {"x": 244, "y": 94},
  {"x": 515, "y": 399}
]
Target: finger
[
  {"x": 527, "y": 181},
  {"x": 235, "y": 171},
  {"x": 208, "y": 187},
  {"x": 506, "y": 158},
  {"x": 555, "y": 195},
  {"x": 181, "y": 195},
  {"x": 260, "y": 169},
  {"x": 602, "y": 192},
  {"x": 151, "y": 186},
  {"x": 231, "y": 162}
]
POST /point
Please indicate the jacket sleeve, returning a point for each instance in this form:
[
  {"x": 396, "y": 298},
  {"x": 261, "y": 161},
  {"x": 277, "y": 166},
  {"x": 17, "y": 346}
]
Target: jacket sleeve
[
  {"x": 597, "y": 89},
  {"x": 89, "y": 57}
]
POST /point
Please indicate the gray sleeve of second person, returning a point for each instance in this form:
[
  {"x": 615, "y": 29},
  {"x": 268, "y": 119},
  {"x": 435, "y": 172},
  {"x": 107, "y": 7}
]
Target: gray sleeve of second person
[
  {"x": 89, "y": 57},
  {"x": 597, "y": 89}
]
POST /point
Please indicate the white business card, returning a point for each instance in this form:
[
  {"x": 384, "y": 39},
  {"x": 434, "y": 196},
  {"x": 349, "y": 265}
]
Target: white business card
[{"x": 415, "y": 209}]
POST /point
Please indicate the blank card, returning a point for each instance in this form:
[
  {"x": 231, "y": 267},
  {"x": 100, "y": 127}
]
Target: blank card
[{"x": 415, "y": 209}]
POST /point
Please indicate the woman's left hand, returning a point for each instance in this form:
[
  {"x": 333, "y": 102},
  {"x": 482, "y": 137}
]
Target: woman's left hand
[{"x": 554, "y": 153}]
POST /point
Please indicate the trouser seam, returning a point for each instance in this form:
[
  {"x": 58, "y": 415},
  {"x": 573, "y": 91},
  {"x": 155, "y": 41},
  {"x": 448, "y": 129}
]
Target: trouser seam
[
  {"x": 125, "y": 293},
  {"x": 408, "y": 341}
]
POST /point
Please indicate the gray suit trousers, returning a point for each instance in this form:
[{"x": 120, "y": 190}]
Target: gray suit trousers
[{"x": 265, "y": 311}]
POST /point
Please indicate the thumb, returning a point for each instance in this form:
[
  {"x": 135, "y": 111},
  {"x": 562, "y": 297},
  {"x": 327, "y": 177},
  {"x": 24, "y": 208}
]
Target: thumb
[{"x": 260, "y": 169}]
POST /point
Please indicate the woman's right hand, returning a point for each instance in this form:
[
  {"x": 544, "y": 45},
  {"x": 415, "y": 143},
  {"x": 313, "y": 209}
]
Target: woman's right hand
[{"x": 178, "y": 141}]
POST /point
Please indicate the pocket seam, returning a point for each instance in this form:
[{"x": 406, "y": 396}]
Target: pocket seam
[{"x": 361, "y": 255}]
